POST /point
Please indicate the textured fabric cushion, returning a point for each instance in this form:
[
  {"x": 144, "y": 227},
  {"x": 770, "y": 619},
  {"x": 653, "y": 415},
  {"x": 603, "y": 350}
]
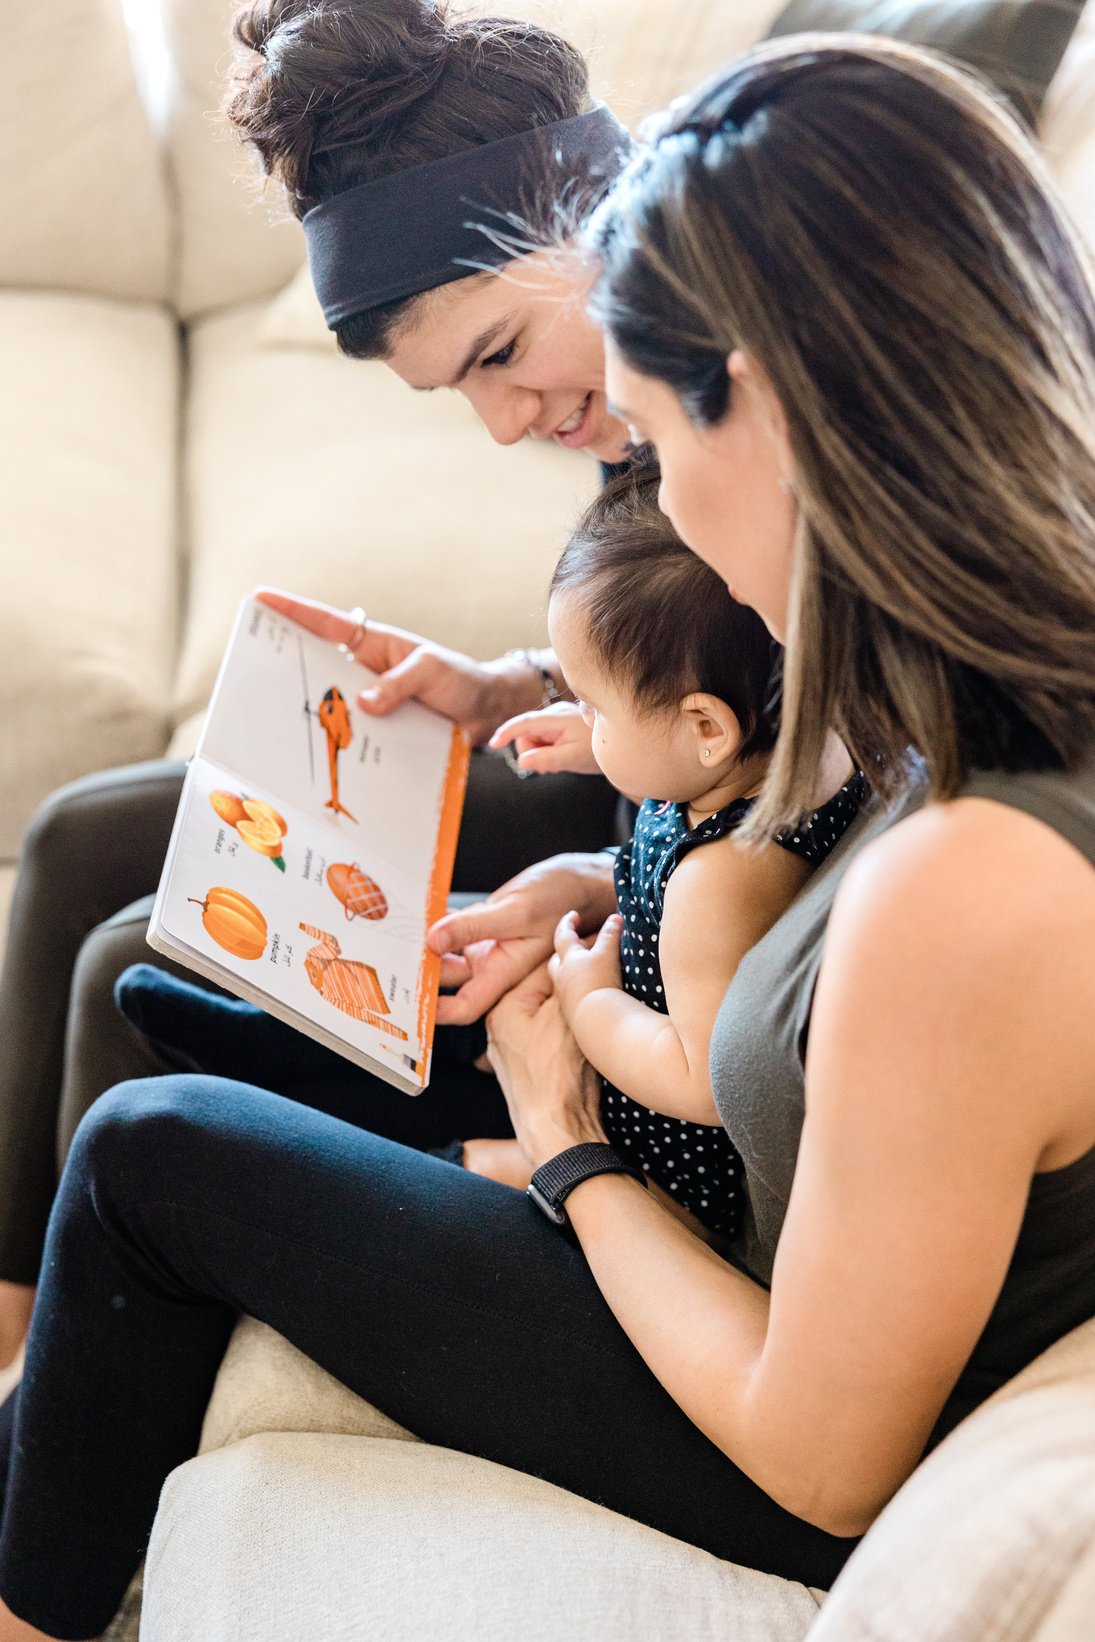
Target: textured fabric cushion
[
  {"x": 981, "y": 1541},
  {"x": 1067, "y": 126},
  {"x": 83, "y": 196},
  {"x": 235, "y": 242},
  {"x": 338, "y": 1538},
  {"x": 266, "y": 1384},
  {"x": 1070, "y": 1618},
  {"x": 1016, "y": 43},
  {"x": 88, "y": 432},
  {"x": 329, "y": 477},
  {"x": 643, "y": 53}
]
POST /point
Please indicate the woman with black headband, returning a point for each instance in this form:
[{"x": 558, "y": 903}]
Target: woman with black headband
[{"x": 417, "y": 150}]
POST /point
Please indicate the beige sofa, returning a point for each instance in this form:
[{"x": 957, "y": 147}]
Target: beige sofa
[{"x": 175, "y": 426}]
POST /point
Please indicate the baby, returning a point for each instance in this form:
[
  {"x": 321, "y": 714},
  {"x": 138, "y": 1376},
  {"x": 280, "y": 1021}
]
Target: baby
[{"x": 674, "y": 683}]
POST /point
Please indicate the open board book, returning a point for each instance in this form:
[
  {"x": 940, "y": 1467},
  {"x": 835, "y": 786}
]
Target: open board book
[{"x": 313, "y": 847}]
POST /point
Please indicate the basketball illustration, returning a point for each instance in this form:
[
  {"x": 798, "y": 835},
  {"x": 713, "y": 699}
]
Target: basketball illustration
[{"x": 361, "y": 896}]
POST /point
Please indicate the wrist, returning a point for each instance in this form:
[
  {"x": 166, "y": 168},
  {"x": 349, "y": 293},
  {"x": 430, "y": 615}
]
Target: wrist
[
  {"x": 544, "y": 1138},
  {"x": 595, "y": 890},
  {"x": 513, "y": 686}
]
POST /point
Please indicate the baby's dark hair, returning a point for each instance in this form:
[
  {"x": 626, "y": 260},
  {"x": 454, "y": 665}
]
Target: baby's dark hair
[{"x": 660, "y": 620}]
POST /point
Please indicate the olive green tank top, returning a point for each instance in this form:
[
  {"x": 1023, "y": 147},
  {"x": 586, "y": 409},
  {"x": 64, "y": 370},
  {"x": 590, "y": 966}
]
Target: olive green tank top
[{"x": 757, "y": 1062}]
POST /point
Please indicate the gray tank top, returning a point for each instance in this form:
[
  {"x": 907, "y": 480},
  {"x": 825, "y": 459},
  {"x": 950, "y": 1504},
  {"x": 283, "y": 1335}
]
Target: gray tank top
[{"x": 757, "y": 1059}]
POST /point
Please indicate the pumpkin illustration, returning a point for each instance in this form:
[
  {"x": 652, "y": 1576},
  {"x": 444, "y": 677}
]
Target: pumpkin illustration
[
  {"x": 360, "y": 895},
  {"x": 234, "y": 922}
]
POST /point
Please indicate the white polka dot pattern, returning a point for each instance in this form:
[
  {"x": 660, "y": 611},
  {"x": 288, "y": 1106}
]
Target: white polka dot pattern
[{"x": 697, "y": 1163}]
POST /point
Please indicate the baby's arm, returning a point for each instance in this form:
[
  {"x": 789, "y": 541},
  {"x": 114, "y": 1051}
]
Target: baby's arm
[
  {"x": 718, "y": 903},
  {"x": 555, "y": 738}
]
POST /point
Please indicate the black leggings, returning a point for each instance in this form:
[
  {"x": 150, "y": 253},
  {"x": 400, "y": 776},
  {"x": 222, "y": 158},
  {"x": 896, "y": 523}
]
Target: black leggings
[
  {"x": 443, "y": 1298},
  {"x": 98, "y": 845}
]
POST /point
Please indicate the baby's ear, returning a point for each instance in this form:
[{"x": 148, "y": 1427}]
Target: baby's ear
[{"x": 714, "y": 725}]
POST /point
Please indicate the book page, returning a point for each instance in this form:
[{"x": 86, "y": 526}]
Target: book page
[{"x": 316, "y": 843}]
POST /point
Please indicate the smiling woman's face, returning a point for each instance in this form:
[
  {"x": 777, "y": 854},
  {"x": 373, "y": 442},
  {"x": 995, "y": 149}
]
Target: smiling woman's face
[{"x": 522, "y": 350}]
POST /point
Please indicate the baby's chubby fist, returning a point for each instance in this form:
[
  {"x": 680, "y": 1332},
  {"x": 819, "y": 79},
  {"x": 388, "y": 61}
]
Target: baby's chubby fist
[{"x": 579, "y": 966}]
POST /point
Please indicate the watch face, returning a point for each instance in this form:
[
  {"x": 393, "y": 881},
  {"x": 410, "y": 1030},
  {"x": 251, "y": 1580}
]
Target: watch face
[{"x": 555, "y": 1215}]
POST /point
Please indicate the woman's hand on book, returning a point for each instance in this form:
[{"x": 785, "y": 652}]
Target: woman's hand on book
[
  {"x": 490, "y": 947},
  {"x": 476, "y": 695},
  {"x": 555, "y": 738}
]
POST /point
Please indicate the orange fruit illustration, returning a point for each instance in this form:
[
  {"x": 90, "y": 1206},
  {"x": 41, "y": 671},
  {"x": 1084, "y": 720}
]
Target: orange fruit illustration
[
  {"x": 234, "y": 922},
  {"x": 228, "y": 806},
  {"x": 361, "y": 896},
  {"x": 265, "y": 815},
  {"x": 258, "y": 824}
]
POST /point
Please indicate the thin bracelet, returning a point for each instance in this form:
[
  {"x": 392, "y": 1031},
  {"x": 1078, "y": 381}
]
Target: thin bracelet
[{"x": 552, "y": 691}]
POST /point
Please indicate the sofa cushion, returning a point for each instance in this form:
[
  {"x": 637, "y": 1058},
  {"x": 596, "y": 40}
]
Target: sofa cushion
[
  {"x": 643, "y": 53},
  {"x": 981, "y": 1544},
  {"x": 1069, "y": 1619},
  {"x": 1067, "y": 126},
  {"x": 266, "y": 1384},
  {"x": 88, "y": 428},
  {"x": 981, "y": 1541},
  {"x": 83, "y": 195},
  {"x": 329, "y": 477},
  {"x": 337, "y": 1538},
  {"x": 1015, "y": 43},
  {"x": 235, "y": 240}
]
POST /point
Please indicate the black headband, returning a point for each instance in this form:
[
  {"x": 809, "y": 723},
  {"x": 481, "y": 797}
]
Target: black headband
[{"x": 412, "y": 231}]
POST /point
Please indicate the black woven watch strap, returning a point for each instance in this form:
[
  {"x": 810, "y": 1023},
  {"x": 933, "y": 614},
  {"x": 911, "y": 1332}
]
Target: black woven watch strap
[{"x": 557, "y": 1177}]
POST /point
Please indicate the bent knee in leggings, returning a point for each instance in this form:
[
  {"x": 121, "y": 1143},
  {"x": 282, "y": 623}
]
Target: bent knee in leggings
[{"x": 147, "y": 1128}]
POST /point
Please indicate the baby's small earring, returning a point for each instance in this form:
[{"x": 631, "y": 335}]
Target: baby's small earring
[
  {"x": 707, "y": 752},
  {"x": 785, "y": 485}
]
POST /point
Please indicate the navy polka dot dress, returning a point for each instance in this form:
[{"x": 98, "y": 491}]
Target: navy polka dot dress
[{"x": 695, "y": 1162}]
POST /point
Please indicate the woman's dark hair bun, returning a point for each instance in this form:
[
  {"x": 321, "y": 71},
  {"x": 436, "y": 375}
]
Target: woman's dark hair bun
[{"x": 332, "y": 93}]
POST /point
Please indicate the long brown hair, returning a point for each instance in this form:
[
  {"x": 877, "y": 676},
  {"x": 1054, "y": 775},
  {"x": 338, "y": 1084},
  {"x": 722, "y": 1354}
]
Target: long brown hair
[
  {"x": 333, "y": 93},
  {"x": 874, "y": 227}
]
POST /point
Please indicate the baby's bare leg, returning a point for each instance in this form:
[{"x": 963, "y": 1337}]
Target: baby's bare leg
[{"x": 501, "y": 1160}]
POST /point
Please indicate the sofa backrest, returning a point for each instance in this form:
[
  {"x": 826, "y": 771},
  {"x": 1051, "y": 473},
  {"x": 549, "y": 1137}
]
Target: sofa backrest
[{"x": 83, "y": 188}]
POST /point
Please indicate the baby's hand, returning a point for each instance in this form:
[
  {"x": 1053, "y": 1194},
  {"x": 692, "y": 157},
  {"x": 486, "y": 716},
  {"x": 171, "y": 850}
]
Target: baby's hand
[
  {"x": 580, "y": 967},
  {"x": 556, "y": 738}
]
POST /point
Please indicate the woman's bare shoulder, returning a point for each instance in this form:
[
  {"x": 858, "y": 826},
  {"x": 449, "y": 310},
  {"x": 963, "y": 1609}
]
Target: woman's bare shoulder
[{"x": 960, "y": 942}]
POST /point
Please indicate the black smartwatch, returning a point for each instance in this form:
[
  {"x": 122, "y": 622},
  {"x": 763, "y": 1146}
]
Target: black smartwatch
[{"x": 555, "y": 1179}]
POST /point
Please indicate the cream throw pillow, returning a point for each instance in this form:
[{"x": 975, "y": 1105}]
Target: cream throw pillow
[{"x": 983, "y": 1538}]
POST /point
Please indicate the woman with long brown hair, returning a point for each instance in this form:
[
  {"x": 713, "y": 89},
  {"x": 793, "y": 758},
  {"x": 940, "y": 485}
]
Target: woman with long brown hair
[{"x": 843, "y": 303}]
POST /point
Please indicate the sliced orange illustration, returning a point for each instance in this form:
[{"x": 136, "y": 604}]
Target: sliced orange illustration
[
  {"x": 264, "y": 815},
  {"x": 262, "y": 836}
]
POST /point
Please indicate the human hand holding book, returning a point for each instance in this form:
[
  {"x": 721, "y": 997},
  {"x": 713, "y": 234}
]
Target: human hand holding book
[
  {"x": 313, "y": 847},
  {"x": 476, "y": 695}
]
